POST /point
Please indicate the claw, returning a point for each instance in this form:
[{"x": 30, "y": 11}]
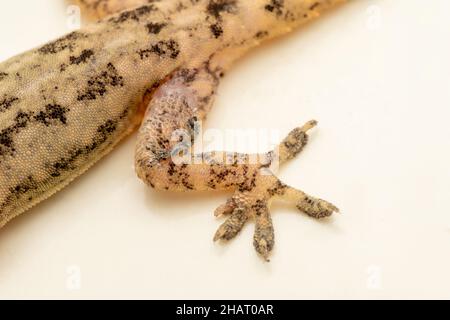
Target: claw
[{"x": 231, "y": 227}]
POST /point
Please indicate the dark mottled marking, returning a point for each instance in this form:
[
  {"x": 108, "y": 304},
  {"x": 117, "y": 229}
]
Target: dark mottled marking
[
  {"x": 315, "y": 5},
  {"x": 296, "y": 145},
  {"x": 73, "y": 60},
  {"x": 67, "y": 163},
  {"x": 5, "y": 140},
  {"x": 216, "y": 30},
  {"x": 134, "y": 14},
  {"x": 187, "y": 184},
  {"x": 24, "y": 187},
  {"x": 28, "y": 185},
  {"x": 66, "y": 42},
  {"x": 82, "y": 58},
  {"x": 155, "y": 27},
  {"x": 6, "y": 135},
  {"x": 180, "y": 7},
  {"x": 278, "y": 189},
  {"x": 188, "y": 75},
  {"x": 216, "y": 7},
  {"x": 177, "y": 175},
  {"x": 7, "y": 102},
  {"x": 98, "y": 85},
  {"x": 261, "y": 34},
  {"x": 275, "y": 6},
  {"x": 164, "y": 48},
  {"x": 259, "y": 207},
  {"x": 3, "y": 75},
  {"x": 249, "y": 183},
  {"x": 316, "y": 208},
  {"x": 52, "y": 113},
  {"x": 22, "y": 119},
  {"x": 171, "y": 171}
]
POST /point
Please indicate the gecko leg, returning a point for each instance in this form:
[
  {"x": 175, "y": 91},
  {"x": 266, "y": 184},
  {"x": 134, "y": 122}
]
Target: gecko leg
[{"x": 174, "y": 108}]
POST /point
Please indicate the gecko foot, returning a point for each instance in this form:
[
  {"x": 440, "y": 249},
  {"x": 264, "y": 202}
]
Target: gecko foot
[{"x": 254, "y": 202}]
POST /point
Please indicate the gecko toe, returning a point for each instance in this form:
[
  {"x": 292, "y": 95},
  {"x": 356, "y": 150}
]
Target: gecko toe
[
  {"x": 233, "y": 225},
  {"x": 316, "y": 208},
  {"x": 264, "y": 237}
]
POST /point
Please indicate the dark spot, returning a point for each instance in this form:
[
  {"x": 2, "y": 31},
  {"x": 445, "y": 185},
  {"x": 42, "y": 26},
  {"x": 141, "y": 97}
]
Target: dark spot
[
  {"x": 66, "y": 42},
  {"x": 107, "y": 128},
  {"x": 261, "y": 34},
  {"x": 28, "y": 184},
  {"x": 7, "y": 102},
  {"x": 187, "y": 184},
  {"x": 315, "y": 5},
  {"x": 98, "y": 85},
  {"x": 155, "y": 27},
  {"x": 275, "y": 6},
  {"x": 211, "y": 184},
  {"x": 216, "y": 30},
  {"x": 163, "y": 48},
  {"x": 3, "y": 75},
  {"x": 51, "y": 113},
  {"x": 216, "y": 7},
  {"x": 171, "y": 171},
  {"x": 134, "y": 14}
]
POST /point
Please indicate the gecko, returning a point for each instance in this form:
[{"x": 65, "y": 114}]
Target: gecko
[{"x": 154, "y": 65}]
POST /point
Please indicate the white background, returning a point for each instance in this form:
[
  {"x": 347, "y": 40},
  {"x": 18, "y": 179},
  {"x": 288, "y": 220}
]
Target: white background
[{"x": 376, "y": 74}]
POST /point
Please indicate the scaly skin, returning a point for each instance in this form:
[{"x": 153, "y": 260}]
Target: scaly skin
[{"x": 68, "y": 103}]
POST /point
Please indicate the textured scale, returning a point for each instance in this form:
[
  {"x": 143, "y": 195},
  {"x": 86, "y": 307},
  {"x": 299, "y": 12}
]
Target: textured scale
[{"x": 67, "y": 103}]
